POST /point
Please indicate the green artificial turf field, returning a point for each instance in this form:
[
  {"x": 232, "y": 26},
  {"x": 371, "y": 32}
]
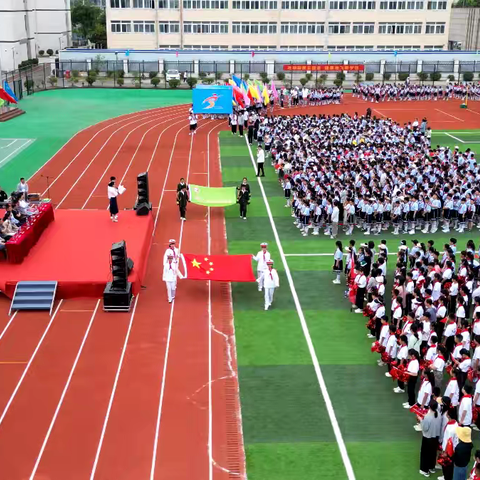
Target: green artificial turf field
[{"x": 288, "y": 432}]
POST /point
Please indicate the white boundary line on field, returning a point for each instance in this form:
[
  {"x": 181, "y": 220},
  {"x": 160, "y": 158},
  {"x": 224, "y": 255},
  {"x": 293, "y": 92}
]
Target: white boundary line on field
[
  {"x": 308, "y": 338},
  {"x": 454, "y": 137},
  {"x": 64, "y": 393},
  {"x": 25, "y": 144},
  {"x": 450, "y": 115}
]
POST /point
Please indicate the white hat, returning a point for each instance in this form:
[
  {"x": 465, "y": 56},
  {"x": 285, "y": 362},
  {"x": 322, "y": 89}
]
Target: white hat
[
  {"x": 270, "y": 262},
  {"x": 172, "y": 240},
  {"x": 264, "y": 244}
]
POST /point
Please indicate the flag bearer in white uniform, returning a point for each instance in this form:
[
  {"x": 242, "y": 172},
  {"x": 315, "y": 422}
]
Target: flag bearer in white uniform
[
  {"x": 173, "y": 251},
  {"x": 270, "y": 282},
  {"x": 170, "y": 274},
  {"x": 262, "y": 257}
]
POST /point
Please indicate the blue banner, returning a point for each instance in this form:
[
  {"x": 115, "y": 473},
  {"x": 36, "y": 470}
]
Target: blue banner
[
  {"x": 7, "y": 88},
  {"x": 213, "y": 99}
]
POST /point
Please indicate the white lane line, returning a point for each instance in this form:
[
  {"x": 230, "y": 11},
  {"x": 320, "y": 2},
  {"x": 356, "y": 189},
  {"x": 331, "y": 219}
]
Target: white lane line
[
  {"x": 308, "y": 338},
  {"x": 142, "y": 117},
  {"x": 32, "y": 358},
  {"x": 454, "y": 137},
  {"x": 114, "y": 389},
  {"x": 99, "y": 151},
  {"x": 62, "y": 397},
  {"x": 448, "y": 114},
  {"x": 380, "y": 113},
  {"x": 169, "y": 335},
  {"x": 4, "y": 331},
  {"x": 472, "y": 111},
  {"x": 23, "y": 145},
  {"x": 10, "y": 144}
]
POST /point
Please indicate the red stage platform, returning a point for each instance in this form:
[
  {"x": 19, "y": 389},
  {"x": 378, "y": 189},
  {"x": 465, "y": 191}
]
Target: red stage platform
[{"x": 75, "y": 251}]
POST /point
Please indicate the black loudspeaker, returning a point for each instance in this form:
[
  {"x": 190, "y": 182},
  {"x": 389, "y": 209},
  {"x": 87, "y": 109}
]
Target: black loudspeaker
[
  {"x": 143, "y": 205},
  {"x": 117, "y": 300},
  {"x": 129, "y": 265},
  {"x": 119, "y": 262}
]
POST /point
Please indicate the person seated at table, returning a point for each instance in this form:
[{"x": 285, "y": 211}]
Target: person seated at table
[
  {"x": 23, "y": 206},
  {"x": 3, "y": 195},
  {"x": 7, "y": 230},
  {"x": 14, "y": 216},
  {"x": 3, "y": 247},
  {"x": 22, "y": 187}
]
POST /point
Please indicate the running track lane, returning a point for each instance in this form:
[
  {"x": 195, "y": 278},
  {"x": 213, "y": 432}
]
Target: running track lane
[{"x": 74, "y": 440}]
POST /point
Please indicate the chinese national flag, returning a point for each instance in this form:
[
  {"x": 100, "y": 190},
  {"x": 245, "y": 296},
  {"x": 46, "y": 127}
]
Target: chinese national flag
[{"x": 223, "y": 268}]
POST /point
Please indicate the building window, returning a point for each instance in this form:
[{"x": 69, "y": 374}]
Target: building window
[
  {"x": 205, "y": 27},
  {"x": 436, "y": 5},
  {"x": 365, "y": 28},
  {"x": 117, "y": 26},
  {"x": 120, "y": 3},
  {"x": 169, "y": 4},
  {"x": 205, "y": 4},
  {"x": 438, "y": 28},
  {"x": 143, "y": 4},
  {"x": 399, "y": 28},
  {"x": 414, "y": 5},
  {"x": 302, "y": 28},
  {"x": 253, "y": 4},
  {"x": 303, "y": 5},
  {"x": 168, "y": 27},
  {"x": 338, "y": 5},
  {"x": 432, "y": 47},
  {"x": 254, "y": 27},
  {"x": 140, "y": 26},
  {"x": 340, "y": 28}
]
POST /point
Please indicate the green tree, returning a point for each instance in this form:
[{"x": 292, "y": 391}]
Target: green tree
[
  {"x": 87, "y": 20},
  {"x": 192, "y": 81}
]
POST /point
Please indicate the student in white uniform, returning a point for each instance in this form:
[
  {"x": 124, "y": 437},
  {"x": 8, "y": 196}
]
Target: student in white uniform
[
  {"x": 170, "y": 274},
  {"x": 338, "y": 262},
  {"x": 465, "y": 414},
  {"x": 270, "y": 282},
  {"x": 173, "y": 251},
  {"x": 262, "y": 257}
]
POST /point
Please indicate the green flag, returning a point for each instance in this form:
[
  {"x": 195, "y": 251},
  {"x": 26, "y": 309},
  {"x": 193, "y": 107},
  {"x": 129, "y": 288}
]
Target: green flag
[
  {"x": 1, "y": 102},
  {"x": 213, "y": 197}
]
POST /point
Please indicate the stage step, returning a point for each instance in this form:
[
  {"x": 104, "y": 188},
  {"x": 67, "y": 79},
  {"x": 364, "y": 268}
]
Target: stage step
[
  {"x": 34, "y": 296},
  {"x": 11, "y": 113}
]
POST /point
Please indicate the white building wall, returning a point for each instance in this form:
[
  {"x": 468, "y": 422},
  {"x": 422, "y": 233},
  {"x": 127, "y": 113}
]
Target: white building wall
[
  {"x": 331, "y": 41},
  {"x": 32, "y": 25}
]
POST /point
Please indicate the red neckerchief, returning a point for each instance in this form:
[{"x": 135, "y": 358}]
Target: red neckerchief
[
  {"x": 466, "y": 396},
  {"x": 173, "y": 250},
  {"x": 271, "y": 275},
  {"x": 170, "y": 266},
  {"x": 441, "y": 356}
]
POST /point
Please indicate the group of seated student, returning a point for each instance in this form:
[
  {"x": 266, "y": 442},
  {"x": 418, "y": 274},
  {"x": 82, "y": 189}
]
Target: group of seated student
[
  {"x": 429, "y": 339},
  {"x": 381, "y": 174}
]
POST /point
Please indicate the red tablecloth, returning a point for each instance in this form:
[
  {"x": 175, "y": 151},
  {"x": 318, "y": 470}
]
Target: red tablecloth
[{"x": 19, "y": 246}]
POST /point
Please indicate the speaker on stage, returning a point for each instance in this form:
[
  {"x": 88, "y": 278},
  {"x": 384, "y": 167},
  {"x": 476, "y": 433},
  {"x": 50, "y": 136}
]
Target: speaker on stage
[
  {"x": 117, "y": 296},
  {"x": 143, "y": 205}
]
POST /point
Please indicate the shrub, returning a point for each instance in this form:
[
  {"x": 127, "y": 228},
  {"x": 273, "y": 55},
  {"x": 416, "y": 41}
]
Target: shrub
[
  {"x": 308, "y": 76},
  {"x": 281, "y": 76},
  {"x": 120, "y": 74},
  {"x": 402, "y": 76},
  {"x": 468, "y": 76},
  {"x": 263, "y": 75},
  {"x": 152, "y": 74},
  {"x": 422, "y": 76},
  {"x": 265, "y": 80},
  {"x": 75, "y": 73},
  {"x": 207, "y": 81},
  {"x": 337, "y": 82},
  {"x": 218, "y": 75},
  {"x": 192, "y": 81},
  {"x": 174, "y": 83},
  {"x": 358, "y": 77},
  {"x": 91, "y": 78},
  {"x": 41, "y": 52},
  {"x": 340, "y": 76},
  {"x": 202, "y": 74},
  {"x": 155, "y": 81},
  {"x": 387, "y": 75},
  {"x": 451, "y": 78},
  {"x": 52, "y": 80},
  {"x": 246, "y": 76},
  {"x": 49, "y": 52},
  {"x": 369, "y": 76},
  {"x": 303, "y": 81},
  {"x": 435, "y": 76},
  {"x": 29, "y": 84},
  {"x": 120, "y": 82}
]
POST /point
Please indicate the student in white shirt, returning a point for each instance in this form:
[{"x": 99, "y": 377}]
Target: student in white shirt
[
  {"x": 338, "y": 261},
  {"x": 173, "y": 251},
  {"x": 260, "y": 161},
  {"x": 465, "y": 413},
  {"x": 262, "y": 257},
  {"x": 413, "y": 368},
  {"x": 462, "y": 366},
  {"x": 451, "y": 390},
  {"x": 439, "y": 365},
  {"x": 170, "y": 274},
  {"x": 361, "y": 283},
  {"x": 113, "y": 193},
  {"x": 270, "y": 282}
]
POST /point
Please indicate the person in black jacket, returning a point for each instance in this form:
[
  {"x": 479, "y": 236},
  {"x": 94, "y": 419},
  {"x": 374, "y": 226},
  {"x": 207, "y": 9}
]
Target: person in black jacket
[
  {"x": 3, "y": 195},
  {"x": 243, "y": 200},
  {"x": 182, "y": 201},
  {"x": 181, "y": 184},
  {"x": 463, "y": 453},
  {"x": 243, "y": 184}
]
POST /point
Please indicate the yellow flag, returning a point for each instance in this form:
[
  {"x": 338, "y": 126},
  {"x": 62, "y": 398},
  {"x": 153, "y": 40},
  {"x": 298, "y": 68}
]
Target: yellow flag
[{"x": 266, "y": 98}]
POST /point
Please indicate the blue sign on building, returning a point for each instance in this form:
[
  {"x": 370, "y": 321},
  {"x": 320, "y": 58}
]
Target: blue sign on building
[{"x": 213, "y": 99}]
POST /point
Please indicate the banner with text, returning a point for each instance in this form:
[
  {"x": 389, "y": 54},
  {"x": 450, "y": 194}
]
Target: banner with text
[{"x": 324, "y": 68}]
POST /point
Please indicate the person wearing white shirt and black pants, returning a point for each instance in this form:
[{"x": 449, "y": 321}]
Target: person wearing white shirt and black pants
[
  {"x": 260, "y": 161},
  {"x": 338, "y": 262},
  {"x": 270, "y": 281},
  {"x": 113, "y": 193},
  {"x": 335, "y": 218},
  {"x": 361, "y": 282},
  {"x": 170, "y": 274},
  {"x": 262, "y": 257}
]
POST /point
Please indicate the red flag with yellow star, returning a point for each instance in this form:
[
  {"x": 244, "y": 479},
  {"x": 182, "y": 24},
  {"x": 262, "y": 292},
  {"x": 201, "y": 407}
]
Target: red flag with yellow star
[{"x": 222, "y": 268}]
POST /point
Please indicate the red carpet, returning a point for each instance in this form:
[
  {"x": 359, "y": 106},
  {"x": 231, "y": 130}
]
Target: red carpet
[{"x": 75, "y": 251}]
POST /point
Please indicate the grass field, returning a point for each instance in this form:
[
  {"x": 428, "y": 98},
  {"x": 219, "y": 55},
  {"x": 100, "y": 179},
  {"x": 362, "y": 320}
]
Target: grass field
[
  {"x": 288, "y": 433},
  {"x": 53, "y": 117}
]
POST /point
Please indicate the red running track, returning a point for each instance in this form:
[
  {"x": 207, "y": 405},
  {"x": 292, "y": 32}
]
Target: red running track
[
  {"x": 147, "y": 394},
  {"x": 152, "y": 394}
]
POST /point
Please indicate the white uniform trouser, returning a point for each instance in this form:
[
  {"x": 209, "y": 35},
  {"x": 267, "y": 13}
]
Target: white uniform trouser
[
  {"x": 269, "y": 296},
  {"x": 259, "y": 276},
  {"x": 171, "y": 287}
]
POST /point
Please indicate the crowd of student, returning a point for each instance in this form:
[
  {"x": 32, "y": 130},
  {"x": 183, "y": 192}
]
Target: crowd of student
[
  {"x": 379, "y": 174},
  {"x": 392, "y": 92},
  {"x": 430, "y": 331}
]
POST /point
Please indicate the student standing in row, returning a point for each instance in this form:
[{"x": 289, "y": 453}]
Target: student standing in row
[
  {"x": 113, "y": 193},
  {"x": 338, "y": 262},
  {"x": 260, "y": 161}
]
